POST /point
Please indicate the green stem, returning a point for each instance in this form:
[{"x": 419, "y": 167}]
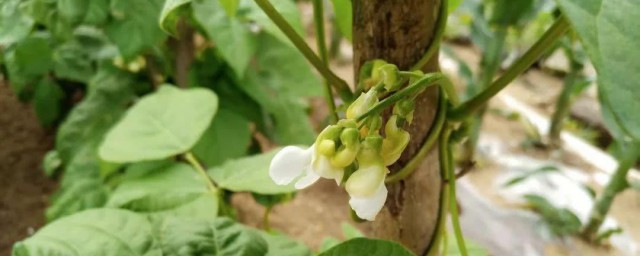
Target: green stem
[
  {"x": 451, "y": 181},
  {"x": 340, "y": 85},
  {"x": 617, "y": 184},
  {"x": 265, "y": 219},
  {"x": 318, "y": 16},
  {"x": 490, "y": 64},
  {"x": 558, "y": 28},
  {"x": 563, "y": 105},
  {"x": 432, "y": 137},
  {"x": 441, "y": 25},
  {"x": 196, "y": 165},
  {"x": 426, "y": 81},
  {"x": 441, "y": 228}
]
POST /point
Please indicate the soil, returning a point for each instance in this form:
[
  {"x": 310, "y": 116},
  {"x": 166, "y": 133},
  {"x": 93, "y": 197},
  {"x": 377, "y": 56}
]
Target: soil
[{"x": 24, "y": 190}]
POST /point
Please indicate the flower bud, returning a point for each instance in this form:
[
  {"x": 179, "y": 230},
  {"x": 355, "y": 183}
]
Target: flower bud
[
  {"x": 326, "y": 147},
  {"x": 375, "y": 69},
  {"x": 365, "y": 181},
  {"x": 395, "y": 142},
  {"x": 389, "y": 73},
  {"x": 345, "y": 156},
  {"x": 350, "y": 137},
  {"x": 331, "y": 132},
  {"x": 362, "y": 104}
]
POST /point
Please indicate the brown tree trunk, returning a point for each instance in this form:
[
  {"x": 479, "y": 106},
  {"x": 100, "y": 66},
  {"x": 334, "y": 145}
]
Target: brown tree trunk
[{"x": 400, "y": 31}]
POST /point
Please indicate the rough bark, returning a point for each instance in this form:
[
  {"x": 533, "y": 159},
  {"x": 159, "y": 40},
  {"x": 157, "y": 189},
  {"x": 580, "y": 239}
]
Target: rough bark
[{"x": 400, "y": 31}]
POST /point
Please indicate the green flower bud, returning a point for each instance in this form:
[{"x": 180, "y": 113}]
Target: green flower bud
[
  {"x": 345, "y": 156},
  {"x": 347, "y": 123},
  {"x": 331, "y": 132},
  {"x": 375, "y": 69},
  {"x": 389, "y": 75},
  {"x": 404, "y": 108},
  {"x": 362, "y": 104},
  {"x": 350, "y": 137},
  {"x": 326, "y": 147},
  {"x": 395, "y": 142},
  {"x": 370, "y": 151}
]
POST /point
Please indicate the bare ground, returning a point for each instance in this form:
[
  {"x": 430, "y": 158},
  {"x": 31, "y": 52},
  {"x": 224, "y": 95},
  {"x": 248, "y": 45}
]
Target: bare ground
[{"x": 24, "y": 190}]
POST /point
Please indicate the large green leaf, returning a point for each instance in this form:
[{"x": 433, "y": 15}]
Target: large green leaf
[
  {"x": 248, "y": 174},
  {"x": 171, "y": 14},
  {"x": 287, "y": 8},
  {"x": 134, "y": 27},
  {"x": 46, "y": 101},
  {"x": 81, "y": 194},
  {"x": 281, "y": 245},
  {"x": 14, "y": 24},
  {"x": 507, "y": 13},
  {"x": 101, "y": 232},
  {"x": 73, "y": 11},
  {"x": 343, "y": 11},
  {"x": 173, "y": 189},
  {"x": 97, "y": 12},
  {"x": 232, "y": 37},
  {"x": 610, "y": 34},
  {"x": 163, "y": 124},
  {"x": 367, "y": 246},
  {"x": 227, "y": 137},
  {"x": 30, "y": 59},
  {"x": 72, "y": 61},
  {"x": 281, "y": 80},
  {"x": 222, "y": 237},
  {"x": 109, "y": 92}
]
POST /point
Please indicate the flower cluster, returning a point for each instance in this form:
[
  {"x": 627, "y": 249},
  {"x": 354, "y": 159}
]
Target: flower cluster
[{"x": 353, "y": 152}]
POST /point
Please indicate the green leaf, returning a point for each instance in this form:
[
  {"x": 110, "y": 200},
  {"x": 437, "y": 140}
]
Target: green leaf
[
  {"x": 453, "y": 5},
  {"x": 227, "y": 137},
  {"x": 14, "y": 24},
  {"x": 219, "y": 237},
  {"x": 134, "y": 27},
  {"x": 97, "y": 12},
  {"x": 163, "y": 124},
  {"x": 248, "y": 174},
  {"x": 166, "y": 191},
  {"x": 73, "y": 61},
  {"x": 349, "y": 231},
  {"x": 522, "y": 177},
  {"x": 343, "y": 12},
  {"x": 230, "y": 6},
  {"x": 51, "y": 163},
  {"x": 109, "y": 92},
  {"x": 79, "y": 195},
  {"x": 280, "y": 82},
  {"x": 98, "y": 232},
  {"x": 561, "y": 221},
  {"x": 367, "y": 246},
  {"x": 231, "y": 36},
  {"x": 47, "y": 100},
  {"x": 73, "y": 11},
  {"x": 608, "y": 31},
  {"x": 282, "y": 245},
  {"x": 171, "y": 14},
  {"x": 33, "y": 56},
  {"x": 510, "y": 13},
  {"x": 287, "y": 8}
]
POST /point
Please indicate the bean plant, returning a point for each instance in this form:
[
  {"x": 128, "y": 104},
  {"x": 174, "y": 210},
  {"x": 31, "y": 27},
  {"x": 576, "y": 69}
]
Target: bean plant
[{"x": 157, "y": 103}]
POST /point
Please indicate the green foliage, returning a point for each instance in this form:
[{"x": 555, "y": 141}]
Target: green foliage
[
  {"x": 171, "y": 14},
  {"x": 120, "y": 232},
  {"x": 47, "y": 100},
  {"x": 134, "y": 27},
  {"x": 227, "y": 137},
  {"x": 367, "y": 246},
  {"x": 561, "y": 222},
  {"x": 524, "y": 176},
  {"x": 281, "y": 245},
  {"x": 163, "y": 124},
  {"x": 248, "y": 174},
  {"x": 609, "y": 35},
  {"x": 163, "y": 190},
  {"x": 343, "y": 11},
  {"x": 14, "y": 25},
  {"x": 94, "y": 232}
]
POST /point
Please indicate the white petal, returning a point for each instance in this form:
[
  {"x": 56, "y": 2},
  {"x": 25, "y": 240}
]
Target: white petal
[
  {"x": 368, "y": 207},
  {"x": 310, "y": 178},
  {"x": 289, "y": 163},
  {"x": 323, "y": 167}
]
